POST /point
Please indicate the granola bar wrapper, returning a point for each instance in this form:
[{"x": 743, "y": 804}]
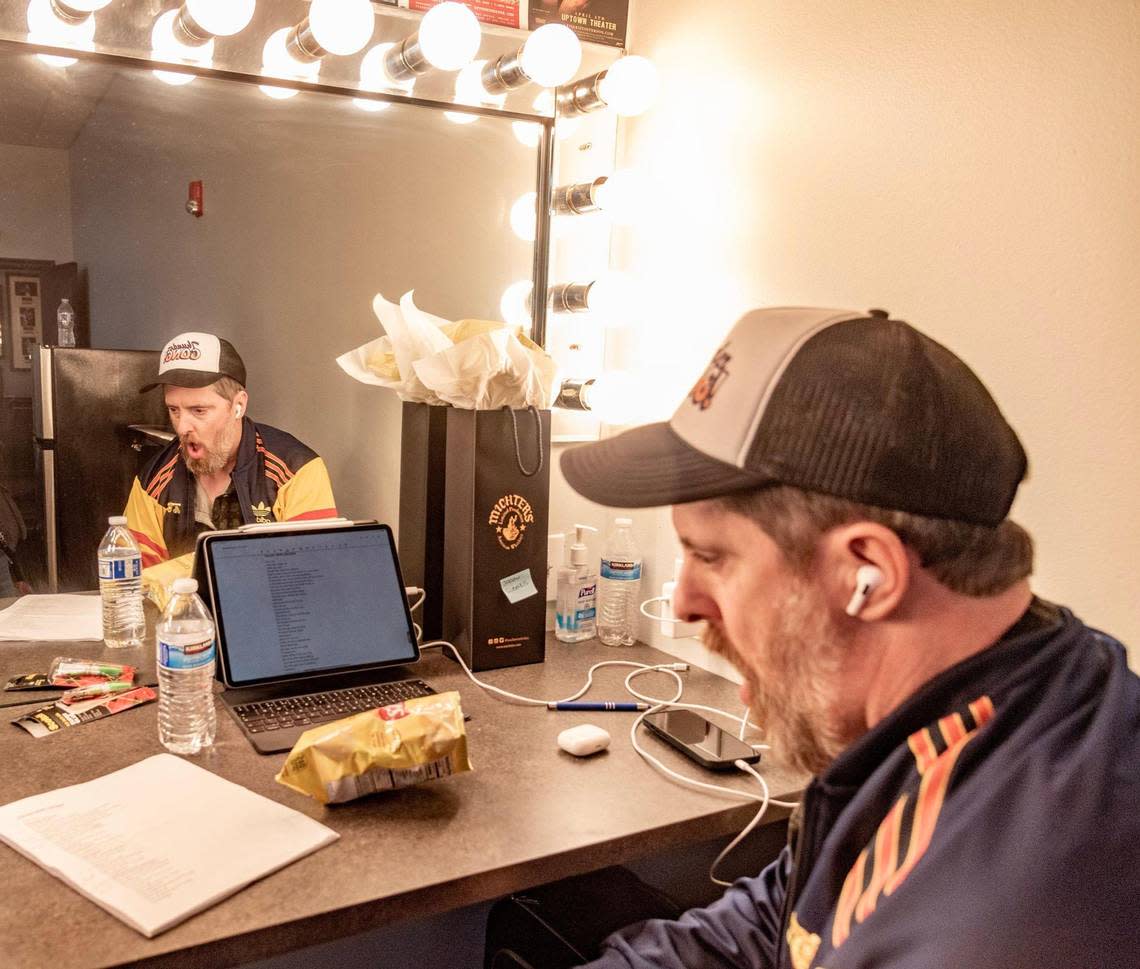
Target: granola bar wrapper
[{"x": 380, "y": 750}]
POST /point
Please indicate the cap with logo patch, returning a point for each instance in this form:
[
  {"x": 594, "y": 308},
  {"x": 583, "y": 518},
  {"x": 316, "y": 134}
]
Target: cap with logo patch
[
  {"x": 197, "y": 360},
  {"x": 853, "y": 405}
]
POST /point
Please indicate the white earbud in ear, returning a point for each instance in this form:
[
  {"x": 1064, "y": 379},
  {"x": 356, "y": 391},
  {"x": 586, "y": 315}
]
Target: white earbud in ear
[
  {"x": 237, "y": 411},
  {"x": 867, "y": 579}
]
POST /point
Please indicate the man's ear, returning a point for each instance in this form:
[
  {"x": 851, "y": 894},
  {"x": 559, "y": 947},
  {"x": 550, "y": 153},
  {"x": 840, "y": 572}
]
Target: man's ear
[
  {"x": 241, "y": 403},
  {"x": 867, "y": 570}
]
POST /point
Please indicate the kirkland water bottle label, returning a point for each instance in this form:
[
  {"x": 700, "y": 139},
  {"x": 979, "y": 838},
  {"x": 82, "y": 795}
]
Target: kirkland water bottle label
[
  {"x": 619, "y": 569},
  {"x": 111, "y": 569},
  {"x": 187, "y": 656}
]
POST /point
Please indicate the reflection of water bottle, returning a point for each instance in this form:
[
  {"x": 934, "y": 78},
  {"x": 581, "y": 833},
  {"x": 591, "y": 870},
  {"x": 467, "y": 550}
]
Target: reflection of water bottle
[
  {"x": 120, "y": 585},
  {"x": 619, "y": 586},
  {"x": 65, "y": 324},
  {"x": 185, "y": 659}
]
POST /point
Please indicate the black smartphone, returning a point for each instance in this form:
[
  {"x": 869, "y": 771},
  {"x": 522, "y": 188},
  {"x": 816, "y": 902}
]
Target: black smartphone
[{"x": 700, "y": 739}]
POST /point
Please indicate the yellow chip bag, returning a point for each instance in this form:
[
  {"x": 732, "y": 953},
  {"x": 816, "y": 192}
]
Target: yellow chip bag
[{"x": 379, "y": 750}]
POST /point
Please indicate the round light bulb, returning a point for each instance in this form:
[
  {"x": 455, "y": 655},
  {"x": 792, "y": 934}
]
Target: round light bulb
[
  {"x": 469, "y": 87},
  {"x": 278, "y": 93},
  {"x": 630, "y": 86},
  {"x": 341, "y": 26},
  {"x": 449, "y": 36},
  {"x": 609, "y": 297},
  {"x": 222, "y": 18},
  {"x": 527, "y": 133},
  {"x": 44, "y": 27},
  {"x": 165, "y": 45},
  {"x": 278, "y": 62},
  {"x": 551, "y": 55},
  {"x": 515, "y": 304},
  {"x": 524, "y": 216},
  {"x": 173, "y": 78},
  {"x": 373, "y": 77},
  {"x": 621, "y": 397},
  {"x": 619, "y": 197}
]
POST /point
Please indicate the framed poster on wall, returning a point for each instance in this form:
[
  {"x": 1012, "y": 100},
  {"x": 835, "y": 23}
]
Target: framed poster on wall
[{"x": 25, "y": 319}]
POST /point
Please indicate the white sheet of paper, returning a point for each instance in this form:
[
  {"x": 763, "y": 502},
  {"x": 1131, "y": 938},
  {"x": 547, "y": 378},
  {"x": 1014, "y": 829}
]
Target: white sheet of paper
[
  {"x": 128, "y": 841},
  {"x": 62, "y": 617},
  {"x": 518, "y": 586}
]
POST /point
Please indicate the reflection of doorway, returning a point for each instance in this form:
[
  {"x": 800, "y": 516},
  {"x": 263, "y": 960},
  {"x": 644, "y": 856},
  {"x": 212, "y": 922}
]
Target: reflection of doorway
[{"x": 30, "y": 292}]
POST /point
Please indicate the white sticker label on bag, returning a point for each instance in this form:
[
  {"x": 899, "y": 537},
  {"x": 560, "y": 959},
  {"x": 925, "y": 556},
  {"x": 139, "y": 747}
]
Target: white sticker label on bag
[{"x": 518, "y": 586}]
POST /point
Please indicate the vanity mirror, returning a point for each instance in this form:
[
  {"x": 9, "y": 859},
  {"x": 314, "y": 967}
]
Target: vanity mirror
[{"x": 309, "y": 207}]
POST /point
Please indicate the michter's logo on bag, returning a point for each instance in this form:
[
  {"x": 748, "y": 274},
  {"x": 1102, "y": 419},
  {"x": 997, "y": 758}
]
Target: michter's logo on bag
[{"x": 510, "y": 517}]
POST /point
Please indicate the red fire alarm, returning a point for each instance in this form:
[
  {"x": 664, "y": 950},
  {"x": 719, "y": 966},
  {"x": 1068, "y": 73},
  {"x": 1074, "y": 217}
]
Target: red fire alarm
[{"x": 194, "y": 204}]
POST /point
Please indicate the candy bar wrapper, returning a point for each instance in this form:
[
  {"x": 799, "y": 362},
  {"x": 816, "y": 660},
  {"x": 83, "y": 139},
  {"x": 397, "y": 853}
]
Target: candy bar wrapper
[
  {"x": 380, "y": 750},
  {"x": 29, "y": 681},
  {"x": 57, "y": 716}
]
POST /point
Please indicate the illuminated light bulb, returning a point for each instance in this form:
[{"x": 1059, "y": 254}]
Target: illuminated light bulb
[
  {"x": 278, "y": 93},
  {"x": 564, "y": 127},
  {"x": 620, "y": 197},
  {"x": 629, "y": 86},
  {"x": 341, "y": 26},
  {"x": 469, "y": 87},
  {"x": 165, "y": 45},
  {"x": 527, "y": 133},
  {"x": 45, "y": 28},
  {"x": 524, "y": 216},
  {"x": 222, "y": 18},
  {"x": 373, "y": 77},
  {"x": 278, "y": 62},
  {"x": 460, "y": 117},
  {"x": 551, "y": 55},
  {"x": 608, "y": 297},
  {"x": 515, "y": 304},
  {"x": 449, "y": 36},
  {"x": 373, "y": 107},
  {"x": 618, "y": 397}
]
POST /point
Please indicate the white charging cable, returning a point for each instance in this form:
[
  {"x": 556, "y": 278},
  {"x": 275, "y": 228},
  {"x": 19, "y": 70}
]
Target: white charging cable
[{"x": 657, "y": 704}]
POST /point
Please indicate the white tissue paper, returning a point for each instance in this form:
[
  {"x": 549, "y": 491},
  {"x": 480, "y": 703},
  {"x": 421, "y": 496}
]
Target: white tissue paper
[{"x": 473, "y": 364}]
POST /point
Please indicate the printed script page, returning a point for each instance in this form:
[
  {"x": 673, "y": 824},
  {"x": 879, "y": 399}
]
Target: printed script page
[{"x": 140, "y": 843}]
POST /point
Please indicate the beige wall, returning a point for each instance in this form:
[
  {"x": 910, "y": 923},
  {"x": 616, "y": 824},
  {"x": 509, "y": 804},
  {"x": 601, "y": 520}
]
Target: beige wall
[{"x": 973, "y": 167}]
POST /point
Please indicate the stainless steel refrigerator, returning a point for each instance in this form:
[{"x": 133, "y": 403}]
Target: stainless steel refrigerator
[{"x": 93, "y": 431}]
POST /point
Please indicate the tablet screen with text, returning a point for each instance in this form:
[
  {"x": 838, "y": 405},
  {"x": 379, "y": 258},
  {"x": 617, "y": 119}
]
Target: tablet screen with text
[{"x": 307, "y": 603}]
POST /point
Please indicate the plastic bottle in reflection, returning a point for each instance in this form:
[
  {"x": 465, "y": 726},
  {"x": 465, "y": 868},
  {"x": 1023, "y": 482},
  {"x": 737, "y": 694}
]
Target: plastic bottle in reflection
[
  {"x": 120, "y": 585},
  {"x": 185, "y": 660},
  {"x": 619, "y": 586},
  {"x": 65, "y": 324}
]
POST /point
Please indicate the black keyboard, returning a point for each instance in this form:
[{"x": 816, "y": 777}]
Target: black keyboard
[{"x": 314, "y": 708}]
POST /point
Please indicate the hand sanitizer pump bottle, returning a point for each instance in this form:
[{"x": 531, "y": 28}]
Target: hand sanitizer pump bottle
[{"x": 575, "y": 617}]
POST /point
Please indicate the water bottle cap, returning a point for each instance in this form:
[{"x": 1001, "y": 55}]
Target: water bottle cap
[
  {"x": 117, "y": 520},
  {"x": 185, "y": 586}
]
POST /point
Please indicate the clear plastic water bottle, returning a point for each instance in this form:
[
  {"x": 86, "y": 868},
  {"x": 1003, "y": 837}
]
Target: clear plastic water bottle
[
  {"x": 185, "y": 660},
  {"x": 65, "y": 324},
  {"x": 619, "y": 586},
  {"x": 120, "y": 585}
]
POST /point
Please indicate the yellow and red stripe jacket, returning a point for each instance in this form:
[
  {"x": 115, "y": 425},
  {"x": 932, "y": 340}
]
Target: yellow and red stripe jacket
[
  {"x": 990, "y": 820},
  {"x": 276, "y": 478}
]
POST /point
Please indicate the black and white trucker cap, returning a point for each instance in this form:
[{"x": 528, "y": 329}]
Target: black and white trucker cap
[
  {"x": 853, "y": 405},
  {"x": 197, "y": 360}
]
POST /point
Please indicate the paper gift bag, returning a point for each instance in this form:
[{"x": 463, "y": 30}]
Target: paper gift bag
[
  {"x": 496, "y": 516},
  {"x": 422, "y": 458}
]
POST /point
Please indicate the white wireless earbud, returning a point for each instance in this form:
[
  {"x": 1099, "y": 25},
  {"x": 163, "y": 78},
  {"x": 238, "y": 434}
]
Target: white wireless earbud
[
  {"x": 867, "y": 579},
  {"x": 237, "y": 411}
]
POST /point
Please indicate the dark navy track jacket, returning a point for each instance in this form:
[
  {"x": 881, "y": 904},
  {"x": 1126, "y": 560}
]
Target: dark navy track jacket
[{"x": 992, "y": 820}]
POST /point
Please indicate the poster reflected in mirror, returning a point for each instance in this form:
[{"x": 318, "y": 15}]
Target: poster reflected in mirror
[{"x": 25, "y": 319}]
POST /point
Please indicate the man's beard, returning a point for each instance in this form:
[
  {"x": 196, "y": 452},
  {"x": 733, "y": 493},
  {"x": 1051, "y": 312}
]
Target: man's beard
[
  {"x": 215, "y": 459},
  {"x": 794, "y": 677}
]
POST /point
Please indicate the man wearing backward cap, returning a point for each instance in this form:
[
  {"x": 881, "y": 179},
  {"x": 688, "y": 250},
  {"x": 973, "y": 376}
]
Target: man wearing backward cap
[
  {"x": 841, "y": 484},
  {"x": 222, "y": 470}
]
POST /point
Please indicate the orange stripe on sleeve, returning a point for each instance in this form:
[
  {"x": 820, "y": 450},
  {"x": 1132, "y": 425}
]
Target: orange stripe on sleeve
[
  {"x": 848, "y": 896},
  {"x": 314, "y": 514}
]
